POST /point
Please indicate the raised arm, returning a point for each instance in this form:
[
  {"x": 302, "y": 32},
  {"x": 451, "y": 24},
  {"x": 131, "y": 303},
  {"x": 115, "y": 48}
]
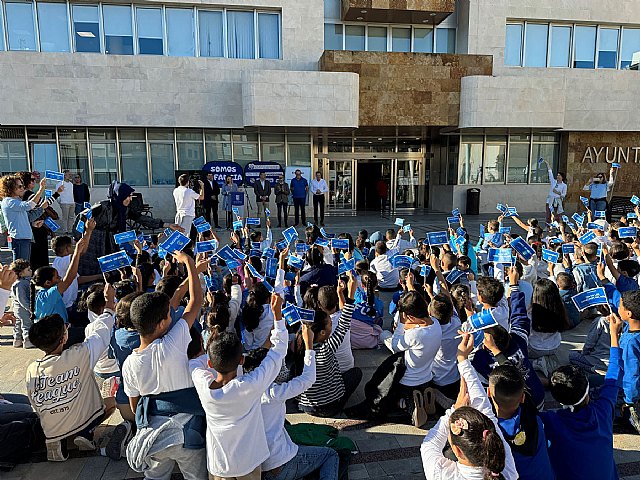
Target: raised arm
[
  {"x": 79, "y": 250},
  {"x": 192, "y": 310}
]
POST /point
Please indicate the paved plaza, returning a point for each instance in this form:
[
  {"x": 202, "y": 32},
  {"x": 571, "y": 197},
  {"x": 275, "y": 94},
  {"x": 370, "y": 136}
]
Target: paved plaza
[{"x": 385, "y": 451}]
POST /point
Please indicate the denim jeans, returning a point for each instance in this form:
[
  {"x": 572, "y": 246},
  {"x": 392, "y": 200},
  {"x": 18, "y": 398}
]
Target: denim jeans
[
  {"x": 21, "y": 249},
  {"x": 306, "y": 461},
  {"x": 597, "y": 205},
  {"x": 192, "y": 463},
  {"x": 18, "y": 409}
]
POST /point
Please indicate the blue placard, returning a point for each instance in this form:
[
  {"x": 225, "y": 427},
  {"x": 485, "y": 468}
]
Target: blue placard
[
  {"x": 114, "y": 261},
  {"x": 267, "y": 212},
  {"x": 176, "y": 242},
  {"x": 254, "y": 273},
  {"x": 167, "y": 232},
  {"x": 255, "y": 245},
  {"x": 302, "y": 247},
  {"x": 406, "y": 228},
  {"x": 500, "y": 207},
  {"x": 585, "y": 201},
  {"x": 459, "y": 241},
  {"x": 290, "y": 276},
  {"x": 267, "y": 285},
  {"x": 235, "y": 210},
  {"x": 588, "y": 237},
  {"x": 271, "y": 268},
  {"x": 80, "y": 227},
  {"x": 237, "y": 199},
  {"x": 635, "y": 200},
  {"x": 554, "y": 240},
  {"x": 500, "y": 255},
  {"x": 496, "y": 238},
  {"x": 239, "y": 254},
  {"x": 454, "y": 275},
  {"x": 627, "y": 232},
  {"x": 593, "y": 226},
  {"x": 550, "y": 256},
  {"x": 233, "y": 263},
  {"x": 253, "y": 221},
  {"x": 162, "y": 253},
  {"x": 206, "y": 246},
  {"x": 482, "y": 320},
  {"x": 345, "y": 266},
  {"x": 295, "y": 262},
  {"x": 437, "y": 238},
  {"x": 237, "y": 225},
  {"x": 615, "y": 165},
  {"x": 53, "y": 175},
  {"x": 282, "y": 244},
  {"x": 579, "y": 219},
  {"x": 455, "y": 212},
  {"x": 306, "y": 315},
  {"x": 88, "y": 213},
  {"x": 53, "y": 226},
  {"x": 199, "y": 220},
  {"x": 632, "y": 215},
  {"x": 512, "y": 212},
  {"x": 290, "y": 314},
  {"x": 290, "y": 234},
  {"x": 590, "y": 298},
  {"x": 522, "y": 248},
  {"x": 453, "y": 221},
  {"x": 568, "y": 248},
  {"x": 483, "y": 230},
  {"x": 340, "y": 243},
  {"x": 212, "y": 283},
  {"x": 461, "y": 232},
  {"x": 269, "y": 253},
  {"x": 255, "y": 253},
  {"x": 48, "y": 193},
  {"x": 399, "y": 222},
  {"x": 125, "y": 237},
  {"x": 203, "y": 227},
  {"x": 86, "y": 205},
  {"x": 402, "y": 261},
  {"x": 505, "y": 230},
  {"x": 322, "y": 242},
  {"x": 554, "y": 224},
  {"x": 425, "y": 270},
  {"x": 540, "y": 161},
  {"x": 600, "y": 214}
]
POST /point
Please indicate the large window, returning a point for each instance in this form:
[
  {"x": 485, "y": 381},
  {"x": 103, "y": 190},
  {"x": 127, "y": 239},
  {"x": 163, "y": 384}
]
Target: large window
[
  {"x": 470, "y": 164},
  {"x": 495, "y": 159},
  {"x": 513, "y": 45},
  {"x": 241, "y": 40},
  {"x": 585, "y": 47},
  {"x": 377, "y": 39},
  {"x": 401, "y": 40},
  {"x": 73, "y": 152},
  {"x": 354, "y": 37},
  {"x": 423, "y": 40},
  {"x": 245, "y": 148},
  {"x": 180, "y": 32},
  {"x": 103, "y": 156},
  {"x": 535, "y": 39},
  {"x": 133, "y": 163},
  {"x": 53, "y": 25},
  {"x": 630, "y": 45},
  {"x": 560, "y": 46},
  {"x": 608, "y": 48},
  {"x": 333, "y": 36},
  {"x": 445, "y": 40},
  {"x": 332, "y": 9},
  {"x": 269, "y": 35},
  {"x": 118, "y": 30},
  {"x": 13, "y": 152},
  {"x": 211, "y": 34},
  {"x": 190, "y": 149},
  {"x": 162, "y": 161},
  {"x": 149, "y": 24},
  {"x": 518, "y": 164},
  {"x": 20, "y": 26},
  {"x": 218, "y": 145},
  {"x": 86, "y": 28},
  {"x": 545, "y": 146}
]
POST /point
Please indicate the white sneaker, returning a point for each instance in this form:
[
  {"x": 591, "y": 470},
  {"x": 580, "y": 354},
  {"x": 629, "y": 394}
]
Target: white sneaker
[
  {"x": 17, "y": 343},
  {"x": 84, "y": 444},
  {"x": 54, "y": 452}
]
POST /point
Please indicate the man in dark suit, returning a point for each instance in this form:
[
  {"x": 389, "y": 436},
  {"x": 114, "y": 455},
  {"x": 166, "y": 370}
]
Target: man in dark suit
[
  {"x": 262, "y": 189},
  {"x": 211, "y": 192}
]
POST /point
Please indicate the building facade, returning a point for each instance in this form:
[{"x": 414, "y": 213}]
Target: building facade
[{"x": 433, "y": 97}]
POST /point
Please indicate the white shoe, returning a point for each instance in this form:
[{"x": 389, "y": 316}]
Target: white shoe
[
  {"x": 54, "y": 452},
  {"x": 84, "y": 444}
]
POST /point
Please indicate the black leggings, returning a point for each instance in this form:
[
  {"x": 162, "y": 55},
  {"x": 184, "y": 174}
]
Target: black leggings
[{"x": 351, "y": 379}]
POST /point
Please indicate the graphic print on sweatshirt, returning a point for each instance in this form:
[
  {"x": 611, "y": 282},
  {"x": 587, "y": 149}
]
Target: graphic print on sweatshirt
[{"x": 53, "y": 392}]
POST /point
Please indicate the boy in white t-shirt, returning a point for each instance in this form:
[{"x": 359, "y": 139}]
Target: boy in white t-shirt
[
  {"x": 236, "y": 440},
  {"x": 160, "y": 365},
  {"x": 63, "y": 248}
]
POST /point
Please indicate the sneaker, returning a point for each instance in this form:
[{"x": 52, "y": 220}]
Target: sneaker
[
  {"x": 27, "y": 344},
  {"x": 442, "y": 400},
  {"x": 418, "y": 414},
  {"x": 84, "y": 444},
  {"x": 634, "y": 419},
  {"x": 17, "y": 343},
  {"x": 429, "y": 401},
  {"x": 54, "y": 452},
  {"x": 121, "y": 435}
]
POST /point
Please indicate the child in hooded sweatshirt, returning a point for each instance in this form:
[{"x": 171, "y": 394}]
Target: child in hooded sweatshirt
[{"x": 20, "y": 292}]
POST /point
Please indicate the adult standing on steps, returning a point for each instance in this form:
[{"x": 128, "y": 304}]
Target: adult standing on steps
[
  {"x": 557, "y": 192},
  {"x": 81, "y": 194},
  {"x": 262, "y": 189},
  {"x": 319, "y": 188},
  {"x": 185, "y": 199},
  {"x": 282, "y": 200},
  {"x": 599, "y": 188},
  {"x": 67, "y": 204},
  {"x": 299, "y": 188},
  {"x": 211, "y": 192}
]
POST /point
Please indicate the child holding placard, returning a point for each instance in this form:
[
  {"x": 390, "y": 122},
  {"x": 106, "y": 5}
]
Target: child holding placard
[{"x": 629, "y": 310}]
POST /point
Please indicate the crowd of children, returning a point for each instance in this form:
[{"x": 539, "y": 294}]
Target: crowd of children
[{"x": 204, "y": 347}]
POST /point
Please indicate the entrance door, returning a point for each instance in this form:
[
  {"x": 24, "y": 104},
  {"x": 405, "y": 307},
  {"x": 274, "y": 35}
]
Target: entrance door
[
  {"x": 44, "y": 157},
  {"x": 340, "y": 184},
  {"x": 370, "y": 173}
]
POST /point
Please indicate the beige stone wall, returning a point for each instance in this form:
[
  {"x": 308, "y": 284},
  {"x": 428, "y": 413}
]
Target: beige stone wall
[
  {"x": 397, "y": 11},
  {"x": 407, "y": 89}
]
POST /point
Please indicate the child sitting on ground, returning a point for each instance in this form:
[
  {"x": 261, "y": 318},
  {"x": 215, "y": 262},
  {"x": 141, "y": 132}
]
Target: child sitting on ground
[
  {"x": 20, "y": 306},
  {"x": 61, "y": 386},
  {"x": 629, "y": 311},
  {"x": 328, "y": 302}
]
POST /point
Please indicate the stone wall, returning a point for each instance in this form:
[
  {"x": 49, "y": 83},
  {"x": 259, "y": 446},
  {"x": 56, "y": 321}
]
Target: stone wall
[
  {"x": 397, "y": 11},
  {"x": 589, "y": 153},
  {"x": 407, "y": 89}
]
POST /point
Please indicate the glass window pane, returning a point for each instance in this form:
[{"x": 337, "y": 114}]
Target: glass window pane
[
  {"x": 608, "y": 48},
  {"x": 535, "y": 38},
  {"x": 187, "y": 134},
  {"x": 54, "y": 27},
  {"x": 20, "y": 27},
  {"x": 332, "y": 36},
  {"x": 149, "y": 22},
  {"x": 106, "y": 134},
  {"x": 131, "y": 134},
  {"x": 72, "y": 134},
  {"x": 446, "y": 40},
  {"x": 217, "y": 135},
  {"x": 423, "y": 40},
  {"x": 245, "y": 152},
  {"x": 160, "y": 134},
  {"x": 105, "y": 168},
  {"x": 354, "y": 39},
  {"x": 513, "y": 45},
  {"x": 211, "y": 34},
  {"x": 377, "y": 39},
  {"x": 118, "y": 32},
  {"x": 269, "y": 35},
  {"x": 518, "y": 163},
  {"x": 162, "y": 161},
  {"x": 401, "y": 40},
  {"x": 585, "y": 47},
  {"x": 1, "y": 31},
  {"x": 548, "y": 152},
  {"x": 332, "y": 9},
  {"x": 299, "y": 155},
  {"x": 273, "y": 152},
  {"x": 240, "y": 35},
  {"x": 190, "y": 156},
  {"x": 86, "y": 28},
  {"x": 219, "y": 152},
  {"x": 470, "y": 165},
  {"x": 133, "y": 162},
  {"x": 180, "y": 32},
  {"x": 630, "y": 45},
  {"x": 13, "y": 157},
  {"x": 494, "y": 161},
  {"x": 560, "y": 46},
  {"x": 74, "y": 157}
]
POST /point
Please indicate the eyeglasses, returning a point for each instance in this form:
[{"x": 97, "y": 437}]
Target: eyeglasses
[{"x": 19, "y": 185}]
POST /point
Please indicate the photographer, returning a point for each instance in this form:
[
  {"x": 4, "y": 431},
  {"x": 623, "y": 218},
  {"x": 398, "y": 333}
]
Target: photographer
[
  {"x": 185, "y": 199},
  {"x": 599, "y": 189}
]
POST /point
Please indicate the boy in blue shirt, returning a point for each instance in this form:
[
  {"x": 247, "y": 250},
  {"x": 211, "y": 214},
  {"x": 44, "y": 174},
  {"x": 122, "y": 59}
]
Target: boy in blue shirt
[
  {"x": 582, "y": 425},
  {"x": 629, "y": 311}
]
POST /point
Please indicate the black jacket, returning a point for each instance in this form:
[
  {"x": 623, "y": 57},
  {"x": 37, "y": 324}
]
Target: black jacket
[
  {"x": 210, "y": 193},
  {"x": 262, "y": 192}
]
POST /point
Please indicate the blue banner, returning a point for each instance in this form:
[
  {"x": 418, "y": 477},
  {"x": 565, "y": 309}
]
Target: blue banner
[
  {"x": 254, "y": 273},
  {"x": 568, "y": 248},
  {"x": 627, "y": 232},
  {"x": 590, "y": 298},
  {"x": 322, "y": 242},
  {"x": 550, "y": 256},
  {"x": 290, "y": 234},
  {"x": 344, "y": 267},
  {"x": 53, "y": 175},
  {"x": 635, "y": 200},
  {"x": 402, "y": 261},
  {"x": 399, "y": 222},
  {"x": 454, "y": 275},
  {"x": 600, "y": 214},
  {"x": 269, "y": 253},
  {"x": 221, "y": 170},
  {"x": 80, "y": 227},
  {"x": 295, "y": 262},
  {"x": 271, "y": 268},
  {"x": 252, "y": 171},
  {"x": 302, "y": 248},
  {"x": 226, "y": 254},
  {"x": 579, "y": 219},
  {"x": 198, "y": 221},
  {"x": 114, "y": 261},
  {"x": 282, "y": 244},
  {"x": 437, "y": 238},
  {"x": 500, "y": 255},
  {"x": 585, "y": 201},
  {"x": 425, "y": 270},
  {"x": 237, "y": 199},
  {"x": 588, "y": 237},
  {"x": 453, "y": 221},
  {"x": 207, "y": 246},
  {"x": 406, "y": 228},
  {"x": 203, "y": 227},
  {"x": 125, "y": 237},
  {"x": 253, "y": 221},
  {"x": 455, "y": 212},
  {"x": 237, "y": 225},
  {"x": 53, "y": 226},
  {"x": 176, "y": 241},
  {"x": 482, "y": 320},
  {"x": 522, "y": 248},
  {"x": 340, "y": 243},
  {"x": 501, "y": 208},
  {"x": 632, "y": 215},
  {"x": 505, "y": 230}
]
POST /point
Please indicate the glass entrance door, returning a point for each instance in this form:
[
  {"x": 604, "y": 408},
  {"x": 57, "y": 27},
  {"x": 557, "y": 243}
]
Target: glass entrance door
[
  {"x": 44, "y": 156},
  {"x": 340, "y": 184},
  {"x": 408, "y": 187}
]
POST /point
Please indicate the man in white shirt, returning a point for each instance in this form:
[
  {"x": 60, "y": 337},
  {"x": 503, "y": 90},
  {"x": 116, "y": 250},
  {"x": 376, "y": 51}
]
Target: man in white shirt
[
  {"x": 387, "y": 275},
  {"x": 67, "y": 205},
  {"x": 319, "y": 188},
  {"x": 185, "y": 199}
]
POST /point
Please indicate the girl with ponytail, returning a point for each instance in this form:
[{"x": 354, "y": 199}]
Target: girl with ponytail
[{"x": 471, "y": 428}]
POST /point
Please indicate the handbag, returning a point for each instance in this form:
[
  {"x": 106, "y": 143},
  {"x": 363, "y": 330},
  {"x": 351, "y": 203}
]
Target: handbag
[{"x": 51, "y": 213}]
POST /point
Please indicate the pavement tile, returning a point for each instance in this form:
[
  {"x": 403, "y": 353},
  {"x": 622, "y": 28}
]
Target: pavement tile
[
  {"x": 93, "y": 468},
  {"x": 403, "y": 466},
  {"x": 358, "y": 472}
]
